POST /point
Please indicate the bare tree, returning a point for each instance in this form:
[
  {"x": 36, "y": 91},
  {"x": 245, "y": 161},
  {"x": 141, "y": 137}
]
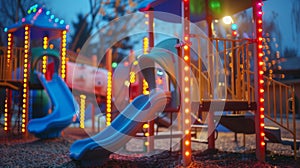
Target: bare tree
[
  {"x": 95, "y": 6},
  {"x": 295, "y": 17},
  {"x": 11, "y": 11},
  {"x": 100, "y": 14}
]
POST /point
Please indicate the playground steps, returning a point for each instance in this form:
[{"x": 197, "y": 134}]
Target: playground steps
[
  {"x": 196, "y": 131},
  {"x": 241, "y": 123},
  {"x": 273, "y": 135},
  {"x": 222, "y": 105}
]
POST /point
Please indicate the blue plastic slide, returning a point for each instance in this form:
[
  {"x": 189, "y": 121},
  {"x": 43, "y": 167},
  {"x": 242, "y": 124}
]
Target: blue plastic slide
[
  {"x": 98, "y": 148},
  {"x": 65, "y": 107}
]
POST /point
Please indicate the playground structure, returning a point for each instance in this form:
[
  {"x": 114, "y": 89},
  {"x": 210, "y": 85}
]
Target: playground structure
[
  {"x": 21, "y": 68},
  {"x": 249, "y": 90}
]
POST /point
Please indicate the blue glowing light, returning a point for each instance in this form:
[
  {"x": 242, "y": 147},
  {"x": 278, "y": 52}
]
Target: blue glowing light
[
  {"x": 160, "y": 72},
  {"x": 234, "y": 26}
]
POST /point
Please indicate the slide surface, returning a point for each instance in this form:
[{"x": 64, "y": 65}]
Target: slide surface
[
  {"x": 65, "y": 107},
  {"x": 121, "y": 130}
]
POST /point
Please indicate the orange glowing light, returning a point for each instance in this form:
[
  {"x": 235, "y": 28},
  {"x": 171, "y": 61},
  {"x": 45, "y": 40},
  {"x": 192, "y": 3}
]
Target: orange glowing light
[
  {"x": 187, "y": 143},
  {"x": 185, "y": 47}
]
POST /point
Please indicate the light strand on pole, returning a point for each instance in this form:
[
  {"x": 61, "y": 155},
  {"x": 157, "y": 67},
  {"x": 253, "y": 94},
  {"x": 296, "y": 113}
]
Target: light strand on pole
[
  {"x": 9, "y": 48},
  {"x": 45, "y": 46},
  {"x": 63, "y": 54},
  {"x": 186, "y": 104},
  {"x": 109, "y": 98},
  {"x": 109, "y": 87},
  {"x": 6, "y": 113},
  {"x": 260, "y": 64},
  {"x": 82, "y": 110},
  {"x": 25, "y": 79},
  {"x": 145, "y": 50}
]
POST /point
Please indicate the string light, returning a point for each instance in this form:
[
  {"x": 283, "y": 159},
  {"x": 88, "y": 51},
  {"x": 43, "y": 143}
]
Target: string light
[
  {"x": 145, "y": 50},
  {"x": 260, "y": 69},
  {"x": 9, "y": 49},
  {"x": 145, "y": 87},
  {"x": 25, "y": 79},
  {"x": 145, "y": 45},
  {"x": 63, "y": 53},
  {"x": 6, "y": 114},
  {"x": 109, "y": 98},
  {"x": 45, "y": 46},
  {"x": 8, "y": 62},
  {"x": 132, "y": 77},
  {"x": 186, "y": 84},
  {"x": 82, "y": 110},
  {"x": 146, "y": 126}
]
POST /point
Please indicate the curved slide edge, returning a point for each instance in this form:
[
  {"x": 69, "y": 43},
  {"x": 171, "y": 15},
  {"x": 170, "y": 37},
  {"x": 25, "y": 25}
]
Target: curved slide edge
[
  {"x": 65, "y": 107},
  {"x": 98, "y": 148}
]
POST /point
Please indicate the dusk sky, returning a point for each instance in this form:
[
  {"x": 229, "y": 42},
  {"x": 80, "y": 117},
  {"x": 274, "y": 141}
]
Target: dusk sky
[{"x": 68, "y": 9}]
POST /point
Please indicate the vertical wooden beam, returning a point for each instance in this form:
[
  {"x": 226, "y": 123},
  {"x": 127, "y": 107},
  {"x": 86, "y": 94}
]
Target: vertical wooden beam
[
  {"x": 109, "y": 87},
  {"x": 25, "y": 96},
  {"x": 151, "y": 28},
  {"x": 210, "y": 116},
  {"x": 259, "y": 81},
  {"x": 63, "y": 53},
  {"x": 150, "y": 138},
  {"x": 185, "y": 85}
]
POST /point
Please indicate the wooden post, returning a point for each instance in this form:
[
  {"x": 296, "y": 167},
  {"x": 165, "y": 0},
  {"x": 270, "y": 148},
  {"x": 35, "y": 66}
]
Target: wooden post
[
  {"x": 210, "y": 116},
  {"x": 185, "y": 79},
  {"x": 109, "y": 87},
  {"x": 26, "y": 77},
  {"x": 63, "y": 53},
  {"x": 150, "y": 138},
  {"x": 259, "y": 81}
]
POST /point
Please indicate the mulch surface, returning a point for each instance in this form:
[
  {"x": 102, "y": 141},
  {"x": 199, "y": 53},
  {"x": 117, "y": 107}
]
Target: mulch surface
[{"x": 32, "y": 152}]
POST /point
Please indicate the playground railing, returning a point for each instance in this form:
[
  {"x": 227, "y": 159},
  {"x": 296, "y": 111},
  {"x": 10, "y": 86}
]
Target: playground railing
[
  {"x": 236, "y": 59},
  {"x": 280, "y": 104},
  {"x": 12, "y": 67},
  {"x": 231, "y": 64}
]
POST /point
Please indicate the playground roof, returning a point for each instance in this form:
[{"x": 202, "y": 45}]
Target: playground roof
[
  {"x": 42, "y": 23},
  {"x": 219, "y": 8}
]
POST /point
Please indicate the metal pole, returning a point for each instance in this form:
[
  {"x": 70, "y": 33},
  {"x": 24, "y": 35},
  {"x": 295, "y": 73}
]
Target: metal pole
[{"x": 210, "y": 116}]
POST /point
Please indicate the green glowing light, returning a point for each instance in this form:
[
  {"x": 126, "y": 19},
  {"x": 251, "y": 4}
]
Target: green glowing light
[{"x": 114, "y": 65}]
